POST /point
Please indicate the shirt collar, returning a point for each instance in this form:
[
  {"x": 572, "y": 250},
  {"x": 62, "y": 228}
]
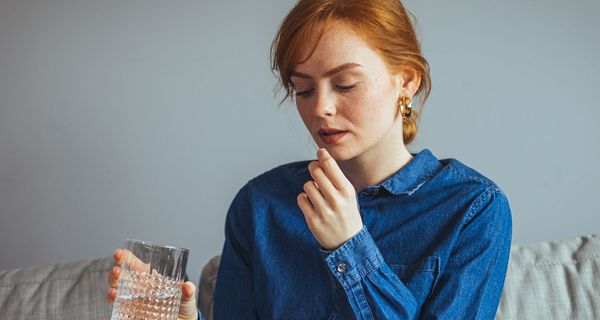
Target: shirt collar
[{"x": 420, "y": 169}]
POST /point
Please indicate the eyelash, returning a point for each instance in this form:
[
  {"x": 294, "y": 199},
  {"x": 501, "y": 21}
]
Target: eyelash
[{"x": 342, "y": 88}]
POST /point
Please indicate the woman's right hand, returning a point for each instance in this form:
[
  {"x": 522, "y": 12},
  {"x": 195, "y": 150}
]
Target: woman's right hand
[{"x": 187, "y": 308}]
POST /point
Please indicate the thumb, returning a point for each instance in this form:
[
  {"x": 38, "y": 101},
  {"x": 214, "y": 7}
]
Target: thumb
[{"x": 187, "y": 309}]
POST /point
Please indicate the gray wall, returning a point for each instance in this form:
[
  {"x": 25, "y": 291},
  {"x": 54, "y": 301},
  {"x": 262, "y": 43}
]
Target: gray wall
[{"x": 142, "y": 118}]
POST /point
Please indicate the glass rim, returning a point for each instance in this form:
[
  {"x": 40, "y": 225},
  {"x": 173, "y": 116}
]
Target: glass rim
[{"x": 156, "y": 244}]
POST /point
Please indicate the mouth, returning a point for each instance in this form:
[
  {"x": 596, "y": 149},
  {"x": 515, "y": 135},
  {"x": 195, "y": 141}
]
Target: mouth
[{"x": 331, "y": 135}]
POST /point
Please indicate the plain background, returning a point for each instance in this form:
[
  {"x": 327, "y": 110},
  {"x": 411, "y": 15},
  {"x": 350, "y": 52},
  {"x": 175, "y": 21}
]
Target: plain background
[{"x": 143, "y": 118}]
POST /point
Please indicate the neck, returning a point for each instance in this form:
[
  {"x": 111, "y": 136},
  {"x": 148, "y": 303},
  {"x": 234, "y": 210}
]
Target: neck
[{"x": 374, "y": 166}]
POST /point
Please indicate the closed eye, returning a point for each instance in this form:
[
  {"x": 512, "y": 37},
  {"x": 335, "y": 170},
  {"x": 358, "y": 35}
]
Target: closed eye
[
  {"x": 346, "y": 88},
  {"x": 304, "y": 93},
  {"x": 339, "y": 87}
]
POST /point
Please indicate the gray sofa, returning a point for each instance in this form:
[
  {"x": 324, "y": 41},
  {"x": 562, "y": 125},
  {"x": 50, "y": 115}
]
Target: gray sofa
[
  {"x": 545, "y": 280},
  {"x": 73, "y": 290}
]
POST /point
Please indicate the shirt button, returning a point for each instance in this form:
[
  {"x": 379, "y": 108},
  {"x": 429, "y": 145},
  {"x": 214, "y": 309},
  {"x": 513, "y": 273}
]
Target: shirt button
[
  {"x": 342, "y": 267},
  {"x": 375, "y": 191}
]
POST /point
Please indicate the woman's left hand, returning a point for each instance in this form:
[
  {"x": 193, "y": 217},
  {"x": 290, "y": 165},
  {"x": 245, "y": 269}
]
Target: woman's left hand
[{"x": 329, "y": 203}]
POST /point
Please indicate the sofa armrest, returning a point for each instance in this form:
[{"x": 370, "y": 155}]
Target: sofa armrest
[
  {"x": 208, "y": 282},
  {"x": 75, "y": 290}
]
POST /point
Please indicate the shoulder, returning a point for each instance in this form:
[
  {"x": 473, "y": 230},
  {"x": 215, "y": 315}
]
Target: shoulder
[
  {"x": 284, "y": 173},
  {"x": 464, "y": 174},
  {"x": 279, "y": 182},
  {"x": 479, "y": 192},
  {"x": 456, "y": 174},
  {"x": 283, "y": 178}
]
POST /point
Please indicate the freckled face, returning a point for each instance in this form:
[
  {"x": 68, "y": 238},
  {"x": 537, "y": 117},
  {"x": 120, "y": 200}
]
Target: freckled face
[{"x": 345, "y": 86}]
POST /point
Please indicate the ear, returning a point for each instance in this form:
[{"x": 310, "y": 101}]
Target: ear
[{"x": 407, "y": 83}]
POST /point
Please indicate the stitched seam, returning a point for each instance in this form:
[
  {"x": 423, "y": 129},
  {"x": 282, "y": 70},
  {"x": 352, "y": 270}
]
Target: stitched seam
[
  {"x": 366, "y": 312},
  {"x": 366, "y": 267},
  {"x": 476, "y": 205},
  {"x": 473, "y": 178},
  {"x": 370, "y": 265},
  {"x": 364, "y": 271},
  {"x": 491, "y": 190},
  {"x": 343, "y": 249}
]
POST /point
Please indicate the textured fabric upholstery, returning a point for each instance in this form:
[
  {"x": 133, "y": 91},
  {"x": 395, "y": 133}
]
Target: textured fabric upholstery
[
  {"x": 67, "y": 291},
  {"x": 553, "y": 280}
]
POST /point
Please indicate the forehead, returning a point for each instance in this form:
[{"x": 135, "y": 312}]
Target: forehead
[{"x": 339, "y": 44}]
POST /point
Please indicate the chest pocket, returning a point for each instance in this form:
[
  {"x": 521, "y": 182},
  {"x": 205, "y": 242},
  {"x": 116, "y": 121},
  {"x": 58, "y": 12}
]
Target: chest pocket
[{"x": 420, "y": 278}]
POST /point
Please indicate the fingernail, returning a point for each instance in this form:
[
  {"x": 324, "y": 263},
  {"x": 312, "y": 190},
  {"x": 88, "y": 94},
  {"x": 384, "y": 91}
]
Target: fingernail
[{"x": 115, "y": 270}]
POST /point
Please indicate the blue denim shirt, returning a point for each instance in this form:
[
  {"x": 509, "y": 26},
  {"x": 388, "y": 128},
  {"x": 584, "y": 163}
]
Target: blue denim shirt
[{"x": 435, "y": 245}]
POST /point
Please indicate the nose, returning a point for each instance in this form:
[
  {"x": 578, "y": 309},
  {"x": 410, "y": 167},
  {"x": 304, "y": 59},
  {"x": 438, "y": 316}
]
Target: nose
[{"x": 325, "y": 104}]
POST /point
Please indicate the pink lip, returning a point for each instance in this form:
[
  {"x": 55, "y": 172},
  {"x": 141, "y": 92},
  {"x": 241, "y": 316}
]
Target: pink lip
[
  {"x": 331, "y": 135},
  {"x": 329, "y": 131}
]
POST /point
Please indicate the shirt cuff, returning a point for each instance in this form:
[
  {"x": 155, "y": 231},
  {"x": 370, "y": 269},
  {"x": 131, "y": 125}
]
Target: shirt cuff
[{"x": 356, "y": 258}]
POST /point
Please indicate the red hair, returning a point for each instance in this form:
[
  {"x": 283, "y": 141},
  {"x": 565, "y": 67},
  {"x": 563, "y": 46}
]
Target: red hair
[{"x": 385, "y": 25}]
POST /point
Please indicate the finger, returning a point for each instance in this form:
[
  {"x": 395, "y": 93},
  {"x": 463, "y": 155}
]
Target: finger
[
  {"x": 308, "y": 210},
  {"x": 128, "y": 258},
  {"x": 188, "y": 290},
  {"x": 314, "y": 195},
  {"x": 111, "y": 295},
  {"x": 113, "y": 276},
  {"x": 324, "y": 184},
  {"x": 305, "y": 205},
  {"x": 187, "y": 308},
  {"x": 333, "y": 171},
  {"x": 118, "y": 255}
]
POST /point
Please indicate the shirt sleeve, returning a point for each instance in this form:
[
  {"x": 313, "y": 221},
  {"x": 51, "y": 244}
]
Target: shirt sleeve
[
  {"x": 469, "y": 287},
  {"x": 234, "y": 296},
  {"x": 361, "y": 275}
]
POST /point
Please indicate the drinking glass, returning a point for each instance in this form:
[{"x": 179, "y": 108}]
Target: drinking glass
[{"x": 149, "y": 287}]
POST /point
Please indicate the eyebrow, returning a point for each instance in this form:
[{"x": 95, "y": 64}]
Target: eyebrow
[{"x": 329, "y": 73}]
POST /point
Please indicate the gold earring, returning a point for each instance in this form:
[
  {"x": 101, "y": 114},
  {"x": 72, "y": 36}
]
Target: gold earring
[{"x": 405, "y": 105}]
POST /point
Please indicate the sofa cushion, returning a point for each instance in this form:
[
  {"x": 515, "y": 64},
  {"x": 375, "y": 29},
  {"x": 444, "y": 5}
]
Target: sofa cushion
[
  {"x": 66, "y": 291},
  {"x": 553, "y": 280}
]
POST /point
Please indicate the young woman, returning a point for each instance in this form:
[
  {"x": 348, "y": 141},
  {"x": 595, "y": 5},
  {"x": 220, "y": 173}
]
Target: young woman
[{"x": 368, "y": 230}]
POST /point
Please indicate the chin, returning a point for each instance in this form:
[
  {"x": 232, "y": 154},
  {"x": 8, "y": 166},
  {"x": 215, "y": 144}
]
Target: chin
[{"x": 339, "y": 152}]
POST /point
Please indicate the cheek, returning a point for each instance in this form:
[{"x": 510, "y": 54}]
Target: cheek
[
  {"x": 373, "y": 112},
  {"x": 304, "y": 113}
]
